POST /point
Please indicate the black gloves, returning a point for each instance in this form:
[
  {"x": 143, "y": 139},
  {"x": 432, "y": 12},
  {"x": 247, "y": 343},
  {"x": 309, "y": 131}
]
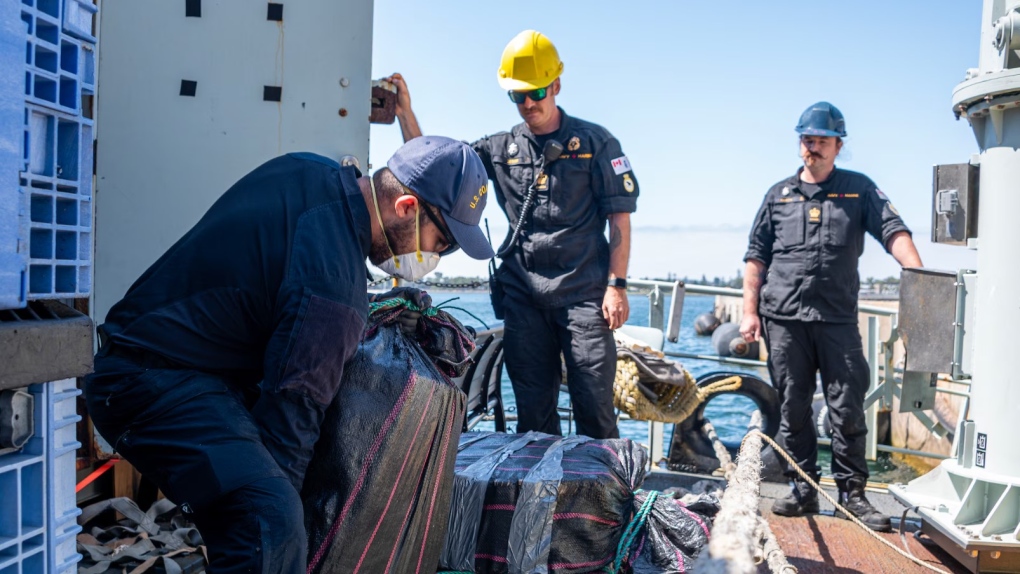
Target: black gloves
[{"x": 408, "y": 319}]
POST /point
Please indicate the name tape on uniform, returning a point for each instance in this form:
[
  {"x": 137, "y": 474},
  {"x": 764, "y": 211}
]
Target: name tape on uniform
[{"x": 621, "y": 165}]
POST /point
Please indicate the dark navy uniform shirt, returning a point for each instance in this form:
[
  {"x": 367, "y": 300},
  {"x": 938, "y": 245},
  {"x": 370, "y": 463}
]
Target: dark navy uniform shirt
[
  {"x": 268, "y": 287},
  {"x": 563, "y": 255},
  {"x": 810, "y": 237}
]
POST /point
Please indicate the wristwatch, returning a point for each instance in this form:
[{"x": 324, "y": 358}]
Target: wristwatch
[{"x": 618, "y": 282}]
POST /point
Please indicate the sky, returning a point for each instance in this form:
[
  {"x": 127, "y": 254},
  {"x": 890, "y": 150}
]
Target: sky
[{"x": 704, "y": 97}]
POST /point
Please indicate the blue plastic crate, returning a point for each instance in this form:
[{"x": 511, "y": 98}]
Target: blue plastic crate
[
  {"x": 61, "y": 446},
  {"x": 56, "y": 64},
  {"x": 38, "y": 517},
  {"x": 23, "y": 514},
  {"x": 79, "y": 16},
  {"x": 13, "y": 204},
  {"x": 58, "y": 184}
]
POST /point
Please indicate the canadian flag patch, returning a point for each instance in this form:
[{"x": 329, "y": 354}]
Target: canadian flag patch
[{"x": 621, "y": 165}]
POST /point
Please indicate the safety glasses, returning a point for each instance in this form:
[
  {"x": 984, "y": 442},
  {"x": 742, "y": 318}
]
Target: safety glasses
[
  {"x": 535, "y": 95},
  {"x": 447, "y": 236}
]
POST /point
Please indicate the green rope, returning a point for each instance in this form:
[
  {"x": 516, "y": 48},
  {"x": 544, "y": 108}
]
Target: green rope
[
  {"x": 631, "y": 532},
  {"x": 400, "y": 302}
]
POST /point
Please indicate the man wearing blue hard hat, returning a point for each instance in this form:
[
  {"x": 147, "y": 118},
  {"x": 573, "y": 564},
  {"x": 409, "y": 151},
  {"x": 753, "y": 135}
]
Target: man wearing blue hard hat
[
  {"x": 800, "y": 294},
  {"x": 216, "y": 368}
]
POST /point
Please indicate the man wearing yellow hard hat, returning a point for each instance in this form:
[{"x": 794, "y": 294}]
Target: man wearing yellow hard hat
[{"x": 562, "y": 284}]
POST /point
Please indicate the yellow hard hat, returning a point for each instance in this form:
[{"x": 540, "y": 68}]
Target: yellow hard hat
[{"x": 529, "y": 62}]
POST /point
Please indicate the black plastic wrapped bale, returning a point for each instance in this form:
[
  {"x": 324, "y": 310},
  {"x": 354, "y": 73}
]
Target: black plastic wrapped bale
[
  {"x": 675, "y": 531},
  {"x": 377, "y": 491},
  {"x": 534, "y": 502}
]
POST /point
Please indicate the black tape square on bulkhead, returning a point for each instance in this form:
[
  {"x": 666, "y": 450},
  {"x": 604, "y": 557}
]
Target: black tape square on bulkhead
[
  {"x": 275, "y": 12},
  {"x": 192, "y": 8},
  {"x": 272, "y": 93},
  {"x": 189, "y": 87}
]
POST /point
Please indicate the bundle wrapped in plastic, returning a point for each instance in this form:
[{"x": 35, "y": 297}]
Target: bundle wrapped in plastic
[
  {"x": 535, "y": 502},
  {"x": 378, "y": 489},
  {"x": 675, "y": 531}
]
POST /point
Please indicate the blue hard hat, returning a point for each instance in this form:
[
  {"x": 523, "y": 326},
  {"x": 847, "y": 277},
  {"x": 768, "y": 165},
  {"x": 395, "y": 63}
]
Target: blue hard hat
[{"x": 822, "y": 119}]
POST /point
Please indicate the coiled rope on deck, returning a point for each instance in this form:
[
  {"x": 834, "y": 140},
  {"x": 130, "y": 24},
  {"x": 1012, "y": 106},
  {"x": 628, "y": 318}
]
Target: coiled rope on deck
[{"x": 672, "y": 404}]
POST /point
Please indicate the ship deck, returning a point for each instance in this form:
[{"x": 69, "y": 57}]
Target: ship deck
[{"x": 824, "y": 544}]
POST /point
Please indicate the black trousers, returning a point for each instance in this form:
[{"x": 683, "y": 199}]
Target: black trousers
[
  {"x": 191, "y": 433},
  {"x": 797, "y": 351},
  {"x": 533, "y": 340}
]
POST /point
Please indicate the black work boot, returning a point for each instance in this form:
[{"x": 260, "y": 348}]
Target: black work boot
[
  {"x": 803, "y": 499},
  {"x": 851, "y": 496}
]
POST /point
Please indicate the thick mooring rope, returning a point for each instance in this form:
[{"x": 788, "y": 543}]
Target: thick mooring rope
[
  {"x": 738, "y": 527},
  {"x": 731, "y": 548},
  {"x": 769, "y": 550}
]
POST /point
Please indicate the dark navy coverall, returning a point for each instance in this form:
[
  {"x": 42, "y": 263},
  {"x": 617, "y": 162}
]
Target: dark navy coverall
[
  {"x": 810, "y": 238},
  {"x": 556, "y": 277},
  {"x": 217, "y": 366}
]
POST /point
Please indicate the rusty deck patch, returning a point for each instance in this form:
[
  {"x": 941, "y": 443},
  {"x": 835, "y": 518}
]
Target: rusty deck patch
[{"x": 825, "y": 544}]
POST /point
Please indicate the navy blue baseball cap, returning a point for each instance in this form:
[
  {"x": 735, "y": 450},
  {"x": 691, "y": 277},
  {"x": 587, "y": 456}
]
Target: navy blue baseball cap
[{"x": 448, "y": 175}]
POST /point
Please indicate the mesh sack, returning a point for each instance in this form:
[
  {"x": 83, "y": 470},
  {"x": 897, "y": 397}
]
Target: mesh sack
[{"x": 377, "y": 491}]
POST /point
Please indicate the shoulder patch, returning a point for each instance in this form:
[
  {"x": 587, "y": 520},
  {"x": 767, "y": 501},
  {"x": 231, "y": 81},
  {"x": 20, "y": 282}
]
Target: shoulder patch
[
  {"x": 621, "y": 165},
  {"x": 881, "y": 195}
]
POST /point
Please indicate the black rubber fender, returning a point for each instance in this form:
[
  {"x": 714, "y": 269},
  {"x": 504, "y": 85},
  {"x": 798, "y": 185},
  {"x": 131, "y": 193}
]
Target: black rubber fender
[
  {"x": 764, "y": 395},
  {"x": 706, "y": 323},
  {"x": 687, "y": 436},
  {"x": 742, "y": 349}
]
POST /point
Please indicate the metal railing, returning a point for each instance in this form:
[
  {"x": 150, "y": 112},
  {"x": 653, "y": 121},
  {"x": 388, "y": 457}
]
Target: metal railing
[{"x": 878, "y": 351}]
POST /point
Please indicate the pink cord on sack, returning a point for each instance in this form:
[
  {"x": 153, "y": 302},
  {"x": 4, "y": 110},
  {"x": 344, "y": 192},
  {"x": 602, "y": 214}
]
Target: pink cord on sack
[
  {"x": 410, "y": 507},
  {"x": 396, "y": 483},
  {"x": 435, "y": 489},
  {"x": 592, "y": 517},
  {"x": 694, "y": 516},
  {"x": 570, "y": 566},
  {"x": 369, "y": 459}
]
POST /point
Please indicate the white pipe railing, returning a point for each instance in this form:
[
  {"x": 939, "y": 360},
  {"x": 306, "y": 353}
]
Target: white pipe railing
[{"x": 879, "y": 352}]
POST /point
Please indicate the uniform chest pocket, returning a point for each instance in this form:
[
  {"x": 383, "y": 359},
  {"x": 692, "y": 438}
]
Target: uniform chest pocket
[
  {"x": 570, "y": 192},
  {"x": 513, "y": 175},
  {"x": 839, "y": 224},
  {"x": 788, "y": 222}
]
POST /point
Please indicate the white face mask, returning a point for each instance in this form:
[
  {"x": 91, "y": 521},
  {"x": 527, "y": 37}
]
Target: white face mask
[{"x": 407, "y": 266}]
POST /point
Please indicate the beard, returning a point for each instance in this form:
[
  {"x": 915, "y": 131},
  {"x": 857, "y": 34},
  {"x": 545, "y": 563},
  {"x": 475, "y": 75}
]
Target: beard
[{"x": 401, "y": 238}]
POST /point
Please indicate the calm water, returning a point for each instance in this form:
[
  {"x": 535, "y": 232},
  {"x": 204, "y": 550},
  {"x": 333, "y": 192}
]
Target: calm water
[{"x": 730, "y": 414}]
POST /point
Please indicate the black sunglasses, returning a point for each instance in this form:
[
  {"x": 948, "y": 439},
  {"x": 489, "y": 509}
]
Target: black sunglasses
[
  {"x": 535, "y": 95},
  {"x": 447, "y": 236}
]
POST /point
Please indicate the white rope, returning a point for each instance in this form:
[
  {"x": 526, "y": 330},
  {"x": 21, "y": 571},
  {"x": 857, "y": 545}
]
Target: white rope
[
  {"x": 732, "y": 546},
  {"x": 725, "y": 462},
  {"x": 774, "y": 555}
]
